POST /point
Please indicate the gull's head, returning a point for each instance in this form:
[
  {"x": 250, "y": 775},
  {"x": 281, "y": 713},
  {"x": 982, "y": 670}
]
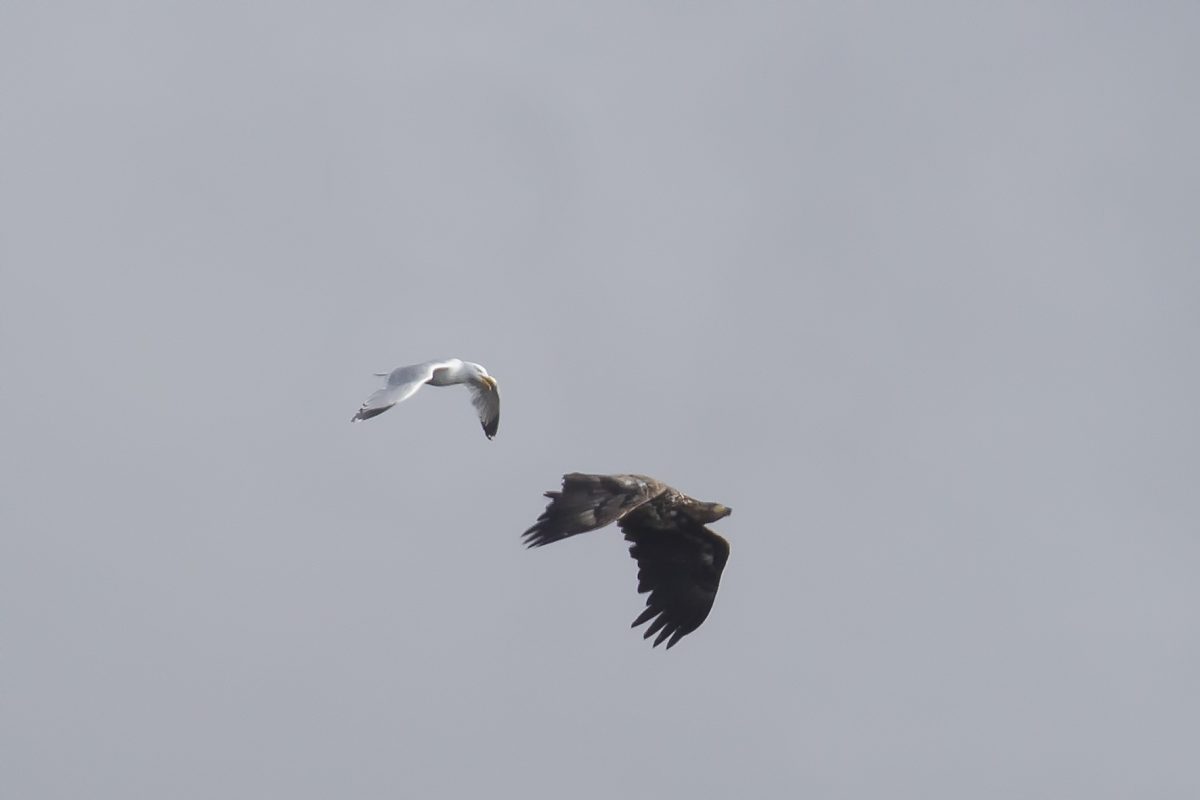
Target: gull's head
[{"x": 482, "y": 376}]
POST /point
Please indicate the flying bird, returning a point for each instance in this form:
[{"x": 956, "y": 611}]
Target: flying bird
[
  {"x": 403, "y": 383},
  {"x": 679, "y": 560}
]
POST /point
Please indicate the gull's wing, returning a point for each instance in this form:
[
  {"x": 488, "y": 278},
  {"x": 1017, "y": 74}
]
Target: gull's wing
[
  {"x": 486, "y": 399},
  {"x": 403, "y": 383},
  {"x": 587, "y": 502},
  {"x": 680, "y": 567}
]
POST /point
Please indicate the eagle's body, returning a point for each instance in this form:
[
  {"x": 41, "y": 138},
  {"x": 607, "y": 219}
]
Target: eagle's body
[
  {"x": 679, "y": 560},
  {"x": 403, "y": 383}
]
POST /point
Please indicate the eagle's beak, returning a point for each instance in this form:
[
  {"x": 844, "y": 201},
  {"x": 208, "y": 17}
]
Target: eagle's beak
[{"x": 724, "y": 511}]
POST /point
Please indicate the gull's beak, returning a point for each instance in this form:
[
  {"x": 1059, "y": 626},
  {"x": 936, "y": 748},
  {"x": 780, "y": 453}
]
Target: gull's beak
[{"x": 490, "y": 381}]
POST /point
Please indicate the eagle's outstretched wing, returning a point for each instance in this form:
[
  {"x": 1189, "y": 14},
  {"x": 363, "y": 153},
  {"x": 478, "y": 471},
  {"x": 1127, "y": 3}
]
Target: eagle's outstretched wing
[
  {"x": 587, "y": 502},
  {"x": 680, "y": 567}
]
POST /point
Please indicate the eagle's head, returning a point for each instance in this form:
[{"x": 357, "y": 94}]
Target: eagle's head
[{"x": 708, "y": 512}]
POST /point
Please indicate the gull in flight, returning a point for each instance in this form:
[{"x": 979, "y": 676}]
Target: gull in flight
[
  {"x": 679, "y": 559},
  {"x": 403, "y": 383}
]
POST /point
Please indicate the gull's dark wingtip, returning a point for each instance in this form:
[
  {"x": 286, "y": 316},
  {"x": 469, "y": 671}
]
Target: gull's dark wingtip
[{"x": 367, "y": 413}]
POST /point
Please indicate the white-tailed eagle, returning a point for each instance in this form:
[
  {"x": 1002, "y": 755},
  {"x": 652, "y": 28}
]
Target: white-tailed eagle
[
  {"x": 403, "y": 383},
  {"x": 679, "y": 560}
]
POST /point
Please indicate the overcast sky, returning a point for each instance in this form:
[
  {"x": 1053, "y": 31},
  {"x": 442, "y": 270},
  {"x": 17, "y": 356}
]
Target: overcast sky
[{"x": 913, "y": 288}]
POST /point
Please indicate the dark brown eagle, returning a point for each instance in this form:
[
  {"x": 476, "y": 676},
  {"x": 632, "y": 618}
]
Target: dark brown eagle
[{"x": 679, "y": 560}]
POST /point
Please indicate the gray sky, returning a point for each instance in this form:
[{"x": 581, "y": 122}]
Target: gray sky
[{"x": 915, "y": 290}]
